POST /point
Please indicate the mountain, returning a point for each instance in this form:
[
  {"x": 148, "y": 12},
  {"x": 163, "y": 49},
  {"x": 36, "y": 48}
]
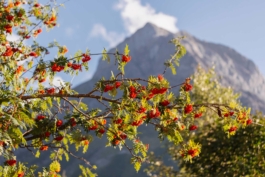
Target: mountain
[{"x": 149, "y": 48}]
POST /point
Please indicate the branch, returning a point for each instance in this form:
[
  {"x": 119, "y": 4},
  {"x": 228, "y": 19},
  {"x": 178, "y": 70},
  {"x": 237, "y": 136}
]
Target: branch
[
  {"x": 80, "y": 158},
  {"x": 70, "y": 96}
]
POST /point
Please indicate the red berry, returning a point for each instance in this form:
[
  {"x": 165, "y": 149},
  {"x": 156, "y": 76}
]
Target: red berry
[
  {"x": 9, "y": 17},
  {"x": 59, "y": 138},
  {"x": 73, "y": 122},
  {"x": 59, "y": 123},
  {"x": 188, "y": 108},
  {"x": 115, "y": 142},
  {"x": 108, "y": 88},
  {"x": 132, "y": 89},
  {"x": 44, "y": 148},
  {"x": 101, "y": 131},
  {"x": 42, "y": 80},
  {"x": 154, "y": 113},
  {"x": 39, "y": 30},
  {"x": 94, "y": 127},
  {"x": 51, "y": 90},
  {"x": 226, "y": 115},
  {"x": 198, "y": 115},
  {"x": 126, "y": 58},
  {"x": 165, "y": 103},
  {"x": 232, "y": 129},
  {"x": 187, "y": 87},
  {"x": 11, "y": 162},
  {"x": 118, "y": 121},
  {"x": 117, "y": 84},
  {"x": 2, "y": 143},
  {"x": 86, "y": 58},
  {"x": 193, "y": 127},
  {"x": 8, "y": 28},
  {"x": 40, "y": 117},
  {"x": 17, "y": 3},
  {"x": 86, "y": 142},
  {"x": 249, "y": 121},
  {"x": 133, "y": 95},
  {"x": 141, "y": 110},
  {"x": 76, "y": 66},
  {"x": 160, "y": 77},
  {"x": 137, "y": 123},
  {"x": 47, "y": 134},
  {"x": 192, "y": 152},
  {"x": 56, "y": 68},
  {"x": 37, "y": 5},
  {"x": 33, "y": 54},
  {"x": 104, "y": 121},
  {"x": 123, "y": 136},
  {"x": 162, "y": 90},
  {"x": 41, "y": 91},
  {"x": 20, "y": 174}
]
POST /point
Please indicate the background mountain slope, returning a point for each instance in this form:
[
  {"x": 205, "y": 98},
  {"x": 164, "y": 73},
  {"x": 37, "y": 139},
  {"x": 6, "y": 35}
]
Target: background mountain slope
[{"x": 150, "y": 48}]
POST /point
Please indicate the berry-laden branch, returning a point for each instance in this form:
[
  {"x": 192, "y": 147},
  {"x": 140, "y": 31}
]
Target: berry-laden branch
[{"x": 57, "y": 117}]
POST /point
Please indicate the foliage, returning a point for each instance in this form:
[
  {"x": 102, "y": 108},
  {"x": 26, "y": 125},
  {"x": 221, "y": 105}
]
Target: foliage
[
  {"x": 239, "y": 155},
  {"x": 54, "y": 117}
]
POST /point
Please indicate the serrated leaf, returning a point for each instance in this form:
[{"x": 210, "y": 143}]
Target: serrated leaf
[
  {"x": 126, "y": 50},
  {"x": 173, "y": 69},
  {"x": 137, "y": 166},
  {"x": 37, "y": 154},
  {"x": 105, "y": 56}
]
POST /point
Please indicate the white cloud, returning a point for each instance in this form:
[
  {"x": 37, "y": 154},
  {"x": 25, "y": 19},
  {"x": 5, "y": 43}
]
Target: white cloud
[
  {"x": 58, "y": 81},
  {"x": 135, "y": 15},
  {"x": 13, "y": 37},
  {"x": 112, "y": 38}
]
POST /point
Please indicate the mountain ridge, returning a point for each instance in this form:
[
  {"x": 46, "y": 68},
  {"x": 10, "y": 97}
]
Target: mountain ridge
[{"x": 150, "y": 44}]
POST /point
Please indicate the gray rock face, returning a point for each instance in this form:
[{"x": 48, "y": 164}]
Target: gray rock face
[{"x": 149, "y": 48}]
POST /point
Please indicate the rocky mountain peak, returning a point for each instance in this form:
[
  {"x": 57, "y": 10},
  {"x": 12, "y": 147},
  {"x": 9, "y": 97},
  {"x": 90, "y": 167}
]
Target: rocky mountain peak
[{"x": 150, "y": 48}]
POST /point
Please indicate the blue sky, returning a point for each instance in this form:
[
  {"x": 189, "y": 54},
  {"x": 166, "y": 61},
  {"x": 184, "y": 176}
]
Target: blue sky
[{"x": 239, "y": 24}]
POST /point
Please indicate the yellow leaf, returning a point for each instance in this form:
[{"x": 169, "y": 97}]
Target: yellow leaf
[
  {"x": 55, "y": 166},
  {"x": 233, "y": 105},
  {"x": 126, "y": 50}
]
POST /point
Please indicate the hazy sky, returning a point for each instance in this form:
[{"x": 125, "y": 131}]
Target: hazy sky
[{"x": 95, "y": 24}]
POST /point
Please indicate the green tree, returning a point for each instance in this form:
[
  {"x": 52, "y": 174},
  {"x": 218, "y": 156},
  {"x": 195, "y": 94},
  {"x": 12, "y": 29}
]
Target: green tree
[
  {"x": 239, "y": 155},
  {"x": 50, "y": 117}
]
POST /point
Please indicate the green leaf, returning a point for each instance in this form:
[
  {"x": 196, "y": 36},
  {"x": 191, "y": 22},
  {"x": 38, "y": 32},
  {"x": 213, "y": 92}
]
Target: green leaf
[
  {"x": 105, "y": 56},
  {"x": 182, "y": 51},
  {"x": 37, "y": 155},
  {"x": 137, "y": 166},
  {"x": 173, "y": 69},
  {"x": 126, "y": 50}
]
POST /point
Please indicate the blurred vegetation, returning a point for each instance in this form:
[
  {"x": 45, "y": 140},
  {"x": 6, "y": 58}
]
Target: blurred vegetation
[{"x": 238, "y": 155}]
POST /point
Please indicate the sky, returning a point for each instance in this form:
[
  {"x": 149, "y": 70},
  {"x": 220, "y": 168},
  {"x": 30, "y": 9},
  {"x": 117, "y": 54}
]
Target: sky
[{"x": 94, "y": 25}]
